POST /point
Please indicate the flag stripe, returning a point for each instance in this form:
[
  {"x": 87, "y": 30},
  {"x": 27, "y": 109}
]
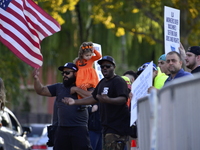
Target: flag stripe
[
  {"x": 41, "y": 33},
  {"x": 19, "y": 44},
  {"x": 41, "y": 20},
  {"x": 32, "y": 23},
  {"x": 21, "y": 32},
  {"x": 32, "y": 61},
  {"x": 23, "y": 25},
  {"x": 15, "y": 15},
  {"x": 46, "y": 17}
]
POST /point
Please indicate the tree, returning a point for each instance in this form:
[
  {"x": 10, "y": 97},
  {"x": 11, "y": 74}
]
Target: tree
[
  {"x": 14, "y": 72},
  {"x": 141, "y": 20},
  {"x": 130, "y": 31}
]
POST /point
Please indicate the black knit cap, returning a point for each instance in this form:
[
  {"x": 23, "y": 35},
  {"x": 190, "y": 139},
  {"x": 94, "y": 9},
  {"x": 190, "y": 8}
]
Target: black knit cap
[{"x": 194, "y": 49}]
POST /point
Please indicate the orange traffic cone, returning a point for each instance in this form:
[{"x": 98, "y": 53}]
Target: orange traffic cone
[{"x": 133, "y": 145}]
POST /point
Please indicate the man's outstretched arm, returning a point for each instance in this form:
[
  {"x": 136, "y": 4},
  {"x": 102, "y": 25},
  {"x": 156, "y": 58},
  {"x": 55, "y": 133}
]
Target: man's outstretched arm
[
  {"x": 39, "y": 88},
  {"x": 84, "y": 101}
]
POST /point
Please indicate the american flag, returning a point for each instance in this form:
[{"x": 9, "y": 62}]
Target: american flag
[{"x": 23, "y": 25}]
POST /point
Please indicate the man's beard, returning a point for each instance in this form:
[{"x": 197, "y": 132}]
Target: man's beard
[{"x": 69, "y": 82}]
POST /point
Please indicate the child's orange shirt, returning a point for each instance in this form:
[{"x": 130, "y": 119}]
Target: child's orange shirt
[{"x": 86, "y": 74}]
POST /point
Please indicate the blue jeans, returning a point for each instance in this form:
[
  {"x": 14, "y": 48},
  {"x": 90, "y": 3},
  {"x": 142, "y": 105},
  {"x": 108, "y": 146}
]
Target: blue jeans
[{"x": 96, "y": 139}]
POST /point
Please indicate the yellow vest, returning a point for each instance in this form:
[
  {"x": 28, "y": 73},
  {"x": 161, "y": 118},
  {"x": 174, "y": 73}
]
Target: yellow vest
[{"x": 159, "y": 80}]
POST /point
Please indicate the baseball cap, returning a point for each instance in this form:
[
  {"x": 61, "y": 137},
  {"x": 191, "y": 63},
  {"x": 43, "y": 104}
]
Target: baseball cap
[
  {"x": 68, "y": 65},
  {"x": 162, "y": 57},
  {"x": 106, "y": 58},
  {"x": 145, "y": 65},
  {"x": 194, "y": 49}
]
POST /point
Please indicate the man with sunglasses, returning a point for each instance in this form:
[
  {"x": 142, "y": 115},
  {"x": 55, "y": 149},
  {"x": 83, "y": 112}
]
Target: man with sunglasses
[
  {"x": 193, "y": 59},
  {"x": 71, "y": 132},
  {"x": 112, "y": 94}
]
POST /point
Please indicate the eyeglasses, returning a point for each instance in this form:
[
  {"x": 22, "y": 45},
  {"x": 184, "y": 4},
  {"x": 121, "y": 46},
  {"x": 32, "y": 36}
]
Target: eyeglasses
[
  {"x": 107, "y": 66},
  {"x": 66, "y": 72}
]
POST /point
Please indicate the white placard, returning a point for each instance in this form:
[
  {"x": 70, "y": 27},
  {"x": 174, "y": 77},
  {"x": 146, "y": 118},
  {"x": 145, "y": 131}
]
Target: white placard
[
  {"x": 172, "y": 29},
  {"x": 139, "y": 89},
  {"x": 96, "y": 65}
]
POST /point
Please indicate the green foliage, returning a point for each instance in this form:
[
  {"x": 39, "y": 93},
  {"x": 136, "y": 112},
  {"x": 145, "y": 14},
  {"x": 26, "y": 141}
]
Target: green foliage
[
  {"x": 14, "y": 72},
  {"x": 130, "y": 31}
]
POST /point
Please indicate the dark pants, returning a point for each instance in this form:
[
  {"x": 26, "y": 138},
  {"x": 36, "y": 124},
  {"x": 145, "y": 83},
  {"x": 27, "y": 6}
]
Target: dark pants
[
  {"x": 96, "y": 139},
  {"x": 72, "y": 138}
]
